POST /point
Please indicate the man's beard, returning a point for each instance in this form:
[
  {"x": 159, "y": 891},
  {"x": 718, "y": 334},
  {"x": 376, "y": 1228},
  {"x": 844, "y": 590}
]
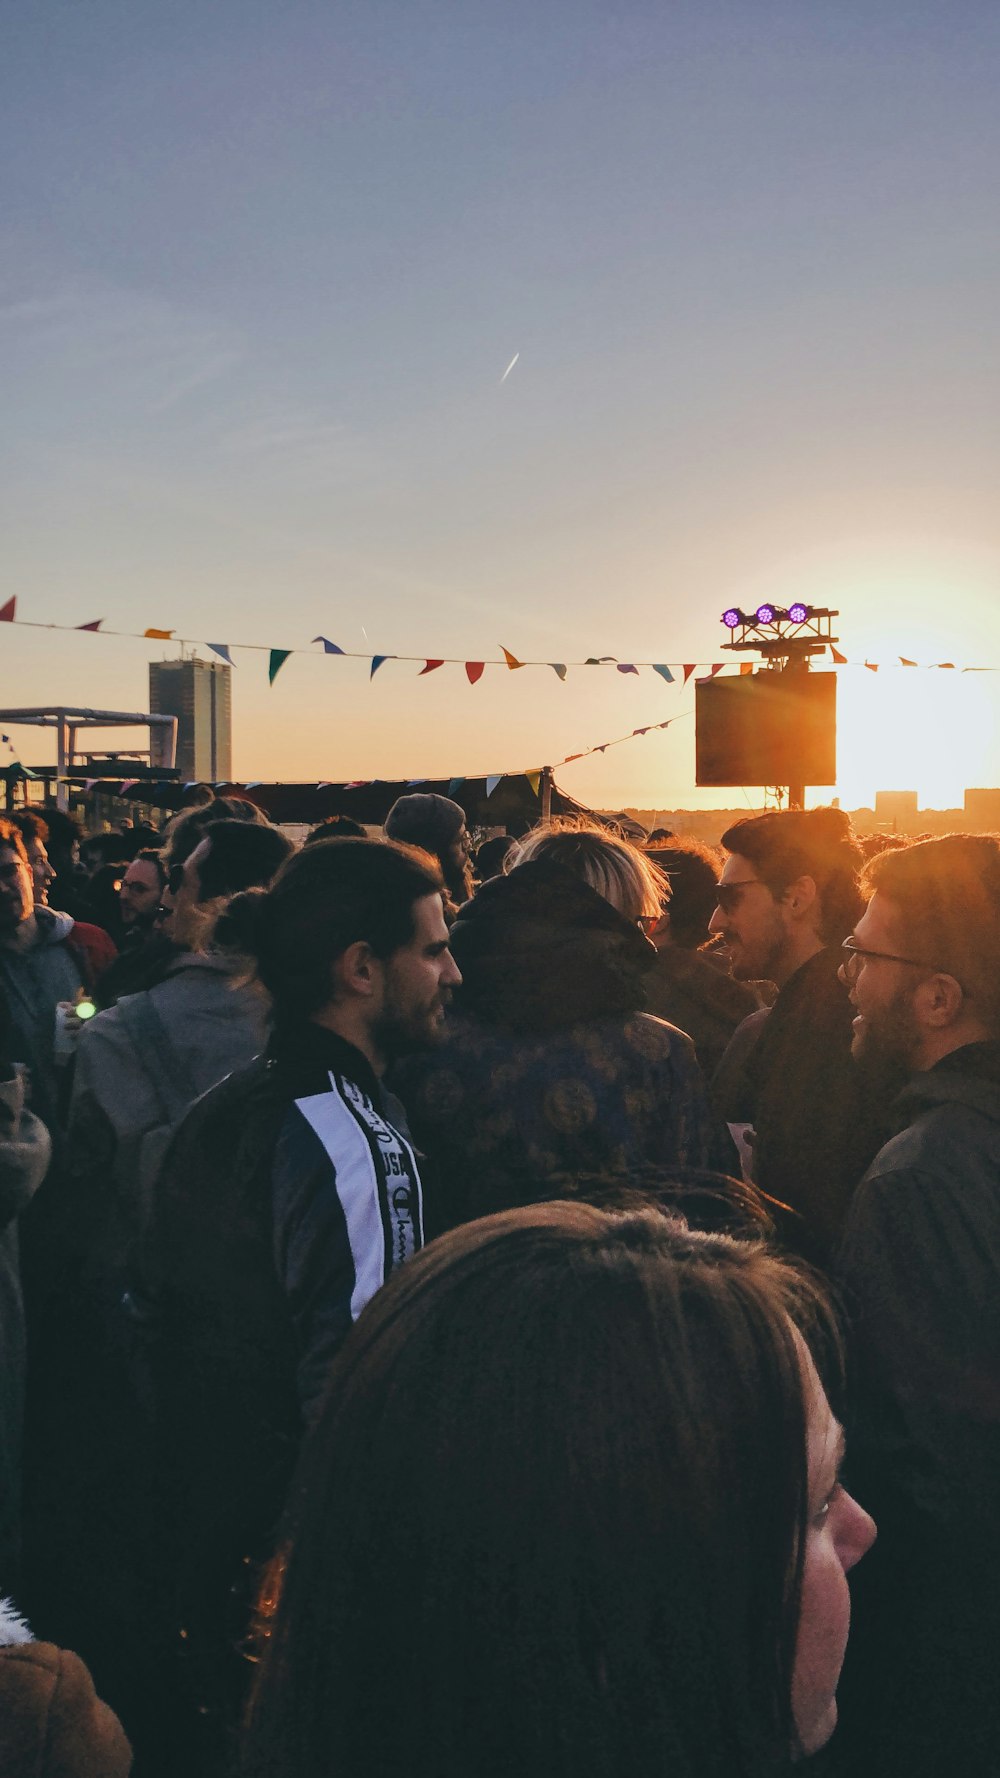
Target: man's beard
[
  {"x": 884, "y": 1047},
  {"x": 398, "y": 1033}
]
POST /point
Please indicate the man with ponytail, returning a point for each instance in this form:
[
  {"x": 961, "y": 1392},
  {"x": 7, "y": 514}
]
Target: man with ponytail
[
  {"x": 788, "y": 896},
  {"x": 289, "y": 1194}
]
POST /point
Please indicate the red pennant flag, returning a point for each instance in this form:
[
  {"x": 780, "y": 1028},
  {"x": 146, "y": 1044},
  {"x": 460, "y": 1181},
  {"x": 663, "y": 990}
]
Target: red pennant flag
[
  {"x": 905, "y": 663},
  {"x": 7, "y": 611},
  {"x": 474, "y": 670},
  {"x": 570, "y": 756},
  {"x": 841, "y": 659},
  {"x": 688, "y": 670},
  {"x": 430, "y": 668},
  {"x": 93, "y": 626}
]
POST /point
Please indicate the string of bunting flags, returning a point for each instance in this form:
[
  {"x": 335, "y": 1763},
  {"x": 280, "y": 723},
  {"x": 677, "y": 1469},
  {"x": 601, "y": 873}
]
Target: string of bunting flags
[{"x": 474, "y": 670}]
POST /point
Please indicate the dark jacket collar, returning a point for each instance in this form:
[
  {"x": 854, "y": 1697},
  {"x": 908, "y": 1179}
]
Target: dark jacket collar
[
  {"x": 968, "y": 1076},
  {"x": 304, "y": 1056}
]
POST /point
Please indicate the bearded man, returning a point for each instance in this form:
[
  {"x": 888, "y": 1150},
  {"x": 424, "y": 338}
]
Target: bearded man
[{"x": 920, "y": 1264}]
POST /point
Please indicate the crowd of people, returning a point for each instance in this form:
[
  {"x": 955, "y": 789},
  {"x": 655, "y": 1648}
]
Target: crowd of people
[{"x": 465, "y": 1311}]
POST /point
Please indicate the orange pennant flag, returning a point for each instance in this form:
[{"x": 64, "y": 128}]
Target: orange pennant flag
[
  {"x": 534, "y": 779},
  {"x": 511, "y": 659},
  {"x": 905, "y": 663},
  {"x": 159, "y": 635},
  {"x": 872, "y": 666},
  {"x": 841, "y": 659},
  {"x": 745, "y": 668}
]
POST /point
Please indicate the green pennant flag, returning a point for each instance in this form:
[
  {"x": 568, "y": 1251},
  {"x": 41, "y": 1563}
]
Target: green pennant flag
[{"x": 278, "y": 658}]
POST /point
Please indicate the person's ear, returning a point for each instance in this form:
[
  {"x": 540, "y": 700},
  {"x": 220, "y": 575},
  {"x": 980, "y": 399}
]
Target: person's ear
[
  {"x": 357, "y": 971},
  {"x": 938, "y": 1001},
  {"x": 801, "y": 897}
]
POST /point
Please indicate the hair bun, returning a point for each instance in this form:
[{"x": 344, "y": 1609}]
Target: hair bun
[
  {"x": 832, "y": 824},
  {"x": 242, "y": 923}
]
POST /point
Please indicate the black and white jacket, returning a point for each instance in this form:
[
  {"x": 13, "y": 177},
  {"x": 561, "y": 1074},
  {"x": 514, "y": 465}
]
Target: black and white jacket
[{"x": 288, "y": 1195}]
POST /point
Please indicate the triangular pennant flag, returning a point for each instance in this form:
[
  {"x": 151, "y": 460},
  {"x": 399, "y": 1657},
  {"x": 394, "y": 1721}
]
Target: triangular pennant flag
[
  {"x": 127, "y": 784},
  {"x": 949, "y": 664},
  {"x": 664, "y": 672},
  {"x": 491, "y": 783},
  {"x": 474, "y": 671},
  {"x": 570, "y": 756},
  {"x": 254, "y": 784},
  {"x": 429, "y": 668},
  {"x": 558, "y": 669},
  {"x": 534, "y": 779},
  {"x": 841, "y": 659},
  {"x": 665, "y": 724},
  {"x": 222, "y": 649},
  {"x": 628, "y": 669},
  {"x": 511, "y": 659},
  {"x": 872, "y": 666},
  {"x": 89, "y": 783},
  {"x": 642, "y": 731},
  {"x": 745, "y": 668},
  {"x": 277, "y": 660},
  {"x": 328, "y": 646},
  {"x": 905, "y": 663},
  {"x": 359, "y": 783},
  {"x": 688, "y": 670},
  {"x": 154, "y": 635},
  {"x": 410, "y": 782},
  {"x": 378, "y": 660},
  {"x": 598, "y": 660},
  {"x": 455, "y": 785},
  {"x": 94, "y": 626},
  {"x": 716, "y": 669},
  {"x": 7, "y": 611},
  {"x": 603, "y": 749},
  {"x": 324, "y": 784}
]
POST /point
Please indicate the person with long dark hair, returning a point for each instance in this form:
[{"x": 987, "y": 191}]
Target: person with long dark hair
[{"x": 571, "y": 1508}]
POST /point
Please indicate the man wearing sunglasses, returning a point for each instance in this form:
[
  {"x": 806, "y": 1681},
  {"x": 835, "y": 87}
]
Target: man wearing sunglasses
[
  {"x": 788, "y": 893},
  {"x": 920, "y": 1264}
]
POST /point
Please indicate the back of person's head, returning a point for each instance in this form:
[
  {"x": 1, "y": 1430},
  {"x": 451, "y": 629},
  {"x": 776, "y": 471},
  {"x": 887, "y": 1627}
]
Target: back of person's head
[
  {"x": 324, "y": 899},
  {"x": 241, "y": 855},
  {"x": 570, "y": 1448},
  {"x": 65, "y": 831},
  {"x": 426, "y": 820},
  {"x": 186, "y": 831},
  {"x": 945, "y": 894},
  {"x": 692, "y": 869},
  {"x": 612, "y": 866},
  {"x": 787, "y": 844},
  {"x": 492, "y": 855},
  {"x": 874, "y": 843},
  {"x": 335, "y": 827}
]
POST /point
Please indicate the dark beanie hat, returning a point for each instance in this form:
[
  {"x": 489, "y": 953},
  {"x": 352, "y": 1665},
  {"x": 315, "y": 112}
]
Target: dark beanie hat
[{"x": 428, "y": 821}]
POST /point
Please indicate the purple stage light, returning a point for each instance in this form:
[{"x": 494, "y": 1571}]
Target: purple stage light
[
  {"x": 764, "y": 614},
  {"x": 732, "y": 618},
  {"x": 798, "y": 613}
]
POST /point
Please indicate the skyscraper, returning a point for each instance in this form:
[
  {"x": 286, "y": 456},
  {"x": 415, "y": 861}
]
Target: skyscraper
[{"x": 199, "y": 694}]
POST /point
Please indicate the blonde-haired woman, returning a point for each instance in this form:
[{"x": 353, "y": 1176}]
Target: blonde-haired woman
[{"x": 551, "y": 1073}]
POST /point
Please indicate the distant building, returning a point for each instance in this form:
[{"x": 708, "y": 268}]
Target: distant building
[
  {"x": 895, "y": 805},
  {"x": 983, "y": 810},
  {"x": 199, "y": 694}
]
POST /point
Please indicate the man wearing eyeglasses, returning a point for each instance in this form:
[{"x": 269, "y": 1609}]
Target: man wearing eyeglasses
[
  {"x": 788, "y": 893},
  {"x": 921, "y": 1267}
]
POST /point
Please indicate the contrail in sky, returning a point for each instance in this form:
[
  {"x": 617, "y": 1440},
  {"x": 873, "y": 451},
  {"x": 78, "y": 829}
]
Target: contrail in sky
[{"x": 510, "y": 367}]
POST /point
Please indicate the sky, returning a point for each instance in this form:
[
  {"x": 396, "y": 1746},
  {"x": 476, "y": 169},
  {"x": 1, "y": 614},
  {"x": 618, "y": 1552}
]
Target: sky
[{"x": 263, "y": 269}]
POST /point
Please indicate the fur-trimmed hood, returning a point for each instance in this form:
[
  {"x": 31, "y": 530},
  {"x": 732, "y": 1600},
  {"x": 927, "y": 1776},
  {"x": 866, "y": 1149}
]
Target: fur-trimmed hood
[{"x": 13, "y": 1627}]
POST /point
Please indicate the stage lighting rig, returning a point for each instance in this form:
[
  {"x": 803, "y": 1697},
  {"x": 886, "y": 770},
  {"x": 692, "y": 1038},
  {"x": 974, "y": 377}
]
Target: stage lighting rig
[{"x": 784, "y": 638}]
